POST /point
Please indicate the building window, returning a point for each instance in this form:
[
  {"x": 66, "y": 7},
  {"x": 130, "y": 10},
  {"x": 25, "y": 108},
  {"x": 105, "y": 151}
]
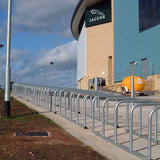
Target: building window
[
  {"x": 144, "y": 68},
  {"x": 149, "y": 14}
]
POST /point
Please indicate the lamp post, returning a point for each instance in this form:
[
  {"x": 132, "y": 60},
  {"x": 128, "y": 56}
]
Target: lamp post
[
  {"x": 51, "y": 63},
  {"x": 8, "y": 69},
  {"x": 1, "y": 46}
]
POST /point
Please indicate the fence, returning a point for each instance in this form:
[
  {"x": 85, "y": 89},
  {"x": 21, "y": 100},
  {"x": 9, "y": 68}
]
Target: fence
[{"x": 124, "y": 121}]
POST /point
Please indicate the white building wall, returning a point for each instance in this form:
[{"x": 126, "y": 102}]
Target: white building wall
[{"x": 81, "y": 54}]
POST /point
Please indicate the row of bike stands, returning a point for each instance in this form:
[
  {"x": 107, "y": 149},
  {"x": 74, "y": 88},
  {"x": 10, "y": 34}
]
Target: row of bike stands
[{"x": 104, "y": 113}]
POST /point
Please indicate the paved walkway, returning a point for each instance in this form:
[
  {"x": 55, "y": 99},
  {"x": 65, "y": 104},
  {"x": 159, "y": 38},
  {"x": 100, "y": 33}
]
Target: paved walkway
[{"x": 100, "y": 145}]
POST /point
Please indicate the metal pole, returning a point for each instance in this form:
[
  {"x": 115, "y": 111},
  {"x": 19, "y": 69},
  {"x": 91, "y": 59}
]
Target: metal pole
[
  {"x": 96, "y": 84},
  {"x": 8, "y": 70},
  {"x": 132, "y": 87},
  {"x": 51, "y": 63},
  {"x": 96, "y": 89},
  {"x": 1, "y": 46}
]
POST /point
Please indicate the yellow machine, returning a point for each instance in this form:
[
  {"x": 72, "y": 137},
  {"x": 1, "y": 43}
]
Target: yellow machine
[{"x": 138, "y": 85}]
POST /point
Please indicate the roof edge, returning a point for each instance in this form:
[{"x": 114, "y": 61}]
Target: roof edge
[{"x": 78, "y": 13}]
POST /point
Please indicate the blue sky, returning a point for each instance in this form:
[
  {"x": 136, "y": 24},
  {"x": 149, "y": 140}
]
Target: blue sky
[{"x": 40, "y": 34}]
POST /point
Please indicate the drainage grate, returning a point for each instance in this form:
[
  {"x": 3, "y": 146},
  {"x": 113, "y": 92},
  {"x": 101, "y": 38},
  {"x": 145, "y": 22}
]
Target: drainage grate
[{"x": 31, "y": 133}]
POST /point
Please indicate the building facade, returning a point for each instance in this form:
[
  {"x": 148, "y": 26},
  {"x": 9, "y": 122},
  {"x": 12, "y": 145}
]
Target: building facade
[
  {"x": 117, "y": 38},
  {"x": 137, "y": 39}
]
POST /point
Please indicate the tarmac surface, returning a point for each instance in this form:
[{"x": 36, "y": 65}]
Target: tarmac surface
[{"x": 100, "y": 145}]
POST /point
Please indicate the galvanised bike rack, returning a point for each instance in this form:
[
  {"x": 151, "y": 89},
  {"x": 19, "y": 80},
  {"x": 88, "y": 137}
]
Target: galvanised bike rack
[{"x": 81, "y": 106}]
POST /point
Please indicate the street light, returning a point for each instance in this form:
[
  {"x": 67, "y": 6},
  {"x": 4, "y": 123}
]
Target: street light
[
  {"x": 8, "y": 69},
  {"x": 1, "y": 46},
  {"x": 51, "y": 63}
]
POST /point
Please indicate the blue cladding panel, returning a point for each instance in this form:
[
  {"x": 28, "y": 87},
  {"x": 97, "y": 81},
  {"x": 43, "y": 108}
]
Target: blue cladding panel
[{"x": 131, "y": 45}]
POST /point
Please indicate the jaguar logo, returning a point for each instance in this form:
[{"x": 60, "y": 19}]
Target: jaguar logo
[{"x": 94, "y": 11}]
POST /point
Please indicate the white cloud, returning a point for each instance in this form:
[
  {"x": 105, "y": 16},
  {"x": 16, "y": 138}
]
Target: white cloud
[
  {"x": 24, "y": 71},
  {"x": 29, "y": 69},
  {"x": 44, "y": 16},
  {"x": 63, "y": 56}
]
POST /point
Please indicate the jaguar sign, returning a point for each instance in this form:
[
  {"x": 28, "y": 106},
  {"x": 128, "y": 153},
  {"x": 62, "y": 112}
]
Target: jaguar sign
[{"x": 98, "y": 14}]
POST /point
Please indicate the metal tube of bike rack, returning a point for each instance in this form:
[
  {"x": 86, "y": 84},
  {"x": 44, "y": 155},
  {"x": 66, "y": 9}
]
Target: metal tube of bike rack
[
  {"x": 65, "y": 102},
  {"x": 107, "y": 111},
  {"x": 77, "y": 108},
  {"x": 30, "y": 93},
  {"x": 91, "y": 106},
  {"x": 93, "y": 103},
  {"x": 69, "y": 99},
  {"x": 116, "y": 114},
  {"x": 55, "y": 104},
  {"x": 131, "y": 120},
  {"x": 127, "y": 117},
  {"x": 30, "y": 89},
  {"x": 103, "y": 116},
  {"x": 39, "y": 94},
  {"x": 73, "y": 103},
  {"x": 34, "y": 95},
  {"x": 84, "y": 108},
  {"x": 35, "y": 100},
  {"x": 109, "y": 98},
  {"x": 150, "y": 130},
  {"x": 25, "y": 94},
  {"x": 116, "y": 118},
  {"x": 60, "y": 100},
  {"x": 48, "y": 98},
  {"x": 131, "y": 128},
  {"x": 37, "y": 91},
  {"x": 156, "y": 126},
  {"x": 140, "y": 121},
  {"x": 43, "y": 98},
  {"x": 98, "y": 104},
  {"x": 70, "y": 107},
  {"x": 50, "y": 101}
]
